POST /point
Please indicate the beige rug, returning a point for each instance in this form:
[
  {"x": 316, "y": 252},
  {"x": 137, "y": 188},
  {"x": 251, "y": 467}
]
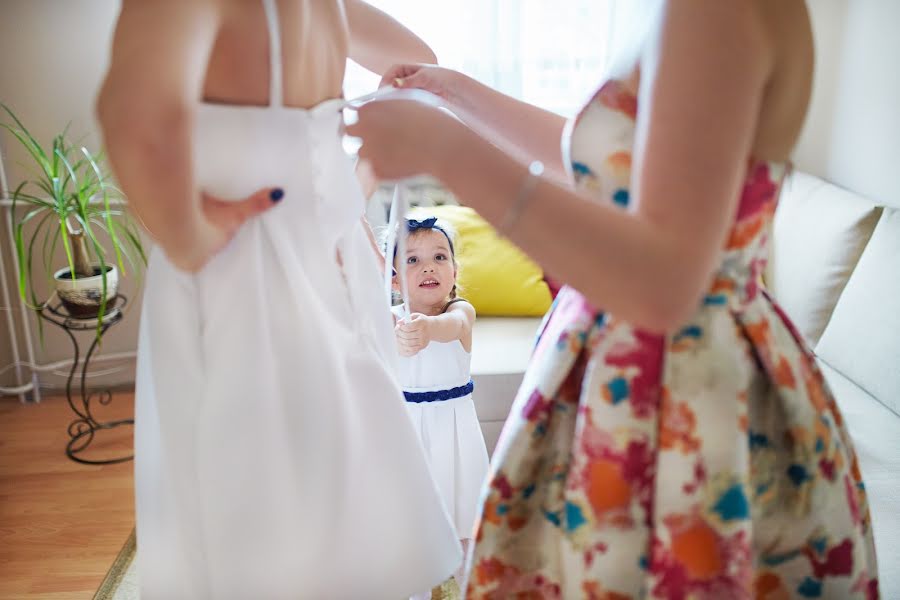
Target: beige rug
[{"x": 121, "y": 582}]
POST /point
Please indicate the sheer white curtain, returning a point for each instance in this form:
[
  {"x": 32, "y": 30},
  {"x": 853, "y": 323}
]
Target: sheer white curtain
[
  {"x": 547, "y": 52},
  {"x": 551, "y": 53}
]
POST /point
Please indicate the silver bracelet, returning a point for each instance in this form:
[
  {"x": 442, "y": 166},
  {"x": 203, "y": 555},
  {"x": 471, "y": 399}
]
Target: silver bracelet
[{"x": 514, "y": 213}]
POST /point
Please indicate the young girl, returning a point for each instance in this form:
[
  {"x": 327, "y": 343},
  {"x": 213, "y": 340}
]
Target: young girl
[{"x": 435, "y": 344}]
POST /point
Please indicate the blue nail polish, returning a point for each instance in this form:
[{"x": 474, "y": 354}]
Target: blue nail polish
[{"x": 276, "y": 195}]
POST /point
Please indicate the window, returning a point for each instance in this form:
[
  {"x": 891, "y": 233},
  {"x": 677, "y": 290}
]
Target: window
[{"x": 547, "y": 52}]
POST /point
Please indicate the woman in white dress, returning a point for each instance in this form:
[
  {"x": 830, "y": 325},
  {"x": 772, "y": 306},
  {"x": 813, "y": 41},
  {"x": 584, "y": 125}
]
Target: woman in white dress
[{"x": 273, "y": 454}]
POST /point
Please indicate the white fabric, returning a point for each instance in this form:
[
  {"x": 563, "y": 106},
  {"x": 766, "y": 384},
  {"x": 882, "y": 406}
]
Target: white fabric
[
  {"x": 862, "y": 340},
  {"x": 818, "y": 235},
  {"x": 876, "y": 438},
  {"x": 449, "y": 429},
  {"x": 396, "y": 245},
  {"x": 274, "y": 456}
]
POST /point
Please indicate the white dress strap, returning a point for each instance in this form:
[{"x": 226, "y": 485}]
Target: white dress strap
[{"x": 275, "y": 91}]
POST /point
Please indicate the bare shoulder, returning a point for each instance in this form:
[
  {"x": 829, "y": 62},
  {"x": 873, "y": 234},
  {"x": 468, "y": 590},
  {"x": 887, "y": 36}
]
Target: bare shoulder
[{"x": 762, "y": 47}]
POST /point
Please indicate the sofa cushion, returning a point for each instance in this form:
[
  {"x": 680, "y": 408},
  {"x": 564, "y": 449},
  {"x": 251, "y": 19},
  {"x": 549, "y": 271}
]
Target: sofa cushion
[
  {"x": 862, "y": 339},
  {"x": 818, "y": 235},
  {"x": 491, "y": 432},
  {"x": 494, "y": 274},
  {"x": 502, "y": 344},
  {"x": 501, "y": 349},
  {"x": 876, "y": 437}
]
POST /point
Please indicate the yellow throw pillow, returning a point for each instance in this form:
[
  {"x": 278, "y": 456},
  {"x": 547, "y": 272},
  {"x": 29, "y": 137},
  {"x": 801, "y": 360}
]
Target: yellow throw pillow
[{"x": 494, "y": 275}]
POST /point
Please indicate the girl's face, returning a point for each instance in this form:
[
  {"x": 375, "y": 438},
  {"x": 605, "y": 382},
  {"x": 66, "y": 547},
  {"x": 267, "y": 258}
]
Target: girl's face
[{"x": 430, "y": 272}]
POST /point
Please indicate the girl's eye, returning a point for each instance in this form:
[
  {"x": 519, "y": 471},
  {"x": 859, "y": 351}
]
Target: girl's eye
[
  {"x": 440, "y": 257},
  {"x": 412, "y": 260}
]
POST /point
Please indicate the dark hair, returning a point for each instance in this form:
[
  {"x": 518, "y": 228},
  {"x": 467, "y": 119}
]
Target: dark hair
[
  {"x": 412, "y": 226},
  {"x": 432, "y": 223}
]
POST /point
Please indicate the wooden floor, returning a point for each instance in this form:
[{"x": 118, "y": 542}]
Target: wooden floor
[{"x": 61, "y": 523}]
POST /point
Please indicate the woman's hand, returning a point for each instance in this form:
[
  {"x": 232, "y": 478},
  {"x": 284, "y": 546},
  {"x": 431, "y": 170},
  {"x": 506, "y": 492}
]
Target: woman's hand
[
  {"x": 402, "y": 138},
  {"x": 218, "y": 224},
  {"x": 445, "y": 83}
]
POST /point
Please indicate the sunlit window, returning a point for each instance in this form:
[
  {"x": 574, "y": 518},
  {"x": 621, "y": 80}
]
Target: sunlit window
[{"x": 547, "y": 52}]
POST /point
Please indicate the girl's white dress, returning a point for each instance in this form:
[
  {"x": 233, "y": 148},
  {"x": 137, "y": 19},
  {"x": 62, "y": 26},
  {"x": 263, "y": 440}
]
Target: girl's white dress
[
  {"x": 274, "y": 457},
  {"x": 438, "y": 386}
]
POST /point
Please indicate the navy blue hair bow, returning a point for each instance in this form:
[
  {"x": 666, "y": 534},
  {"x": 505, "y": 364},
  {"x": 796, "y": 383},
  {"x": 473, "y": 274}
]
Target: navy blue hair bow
[
  {"x": 429, "y": 223},
  {"x": 413, "y": 225}
]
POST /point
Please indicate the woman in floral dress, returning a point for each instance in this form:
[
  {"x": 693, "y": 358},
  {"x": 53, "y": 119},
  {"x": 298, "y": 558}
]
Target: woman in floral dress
[{"x": 672, "y": 437}]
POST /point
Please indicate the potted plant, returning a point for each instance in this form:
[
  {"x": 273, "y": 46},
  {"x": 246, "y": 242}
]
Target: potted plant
[{"x": 69, "y": 201}]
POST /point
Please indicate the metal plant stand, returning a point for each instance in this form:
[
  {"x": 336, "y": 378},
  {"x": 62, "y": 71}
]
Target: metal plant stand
[{"x": 83, "y": 429}]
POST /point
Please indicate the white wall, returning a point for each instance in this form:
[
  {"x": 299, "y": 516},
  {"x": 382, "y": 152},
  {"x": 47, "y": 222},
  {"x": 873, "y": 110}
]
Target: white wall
[
  {"x": 53, "y": 55},
  {"x": 852, "y": 134}
]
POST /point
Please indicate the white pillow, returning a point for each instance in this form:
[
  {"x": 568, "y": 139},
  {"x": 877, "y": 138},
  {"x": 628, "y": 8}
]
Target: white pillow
[
  {"x": 862, "y": 340},
  {"x": 818, "y": 235}
]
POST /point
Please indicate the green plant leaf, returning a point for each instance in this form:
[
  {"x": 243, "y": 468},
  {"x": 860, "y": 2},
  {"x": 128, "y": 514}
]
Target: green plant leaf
[
  {"x": 20, "y": 257},
  {"x": 19, "y": 243},
  {"x": 135, "y": 239},
  {"x": 23, "y": 257},
  {"x": 80, "y": 199},
  {"x": 30, "y": 199},
  {"x": 86, "y": 227},
  {"x": 110, "y": 229},
  {"x": 32, "y": 214},
  {"x": 119, "y": 193},
  {"x": 31, "y": 144},
  {"x": 48, "y": 256},
  {"x": 63, "y": 228},
  {"x": 36, "y": 152},
  {"x": 47, "y": 188},
  {"x": 57, "y": 143},
  {"x": 66, "y": 188},
  {"x": 123, "y": 248},
  {"x": 59, "y": 197},
  {"x": 34, "y": 236}
]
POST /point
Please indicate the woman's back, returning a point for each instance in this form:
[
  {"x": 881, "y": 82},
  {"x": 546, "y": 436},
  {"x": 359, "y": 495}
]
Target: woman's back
[
  {"x": 786, "y": 98},
  {"x": 780, "y": 31},
  {"x": 269, "y": 113},
  {"x": 314, "y": 50},
  {"x": 269, "y": 399}
]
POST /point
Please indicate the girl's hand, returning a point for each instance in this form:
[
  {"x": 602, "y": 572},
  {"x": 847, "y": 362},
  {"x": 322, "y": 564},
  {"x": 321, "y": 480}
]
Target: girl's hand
[
  {"x": 412, "y": 335},
  {"x": 444, "y": 83},
  {"x": 219, "y": 223},
  {"x": 402, "y": 138}
]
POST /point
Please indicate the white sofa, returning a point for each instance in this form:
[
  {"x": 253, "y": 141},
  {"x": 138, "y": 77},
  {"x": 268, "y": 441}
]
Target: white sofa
[
  {"x": 835, "y": 269},
  {"x": 501, "y": 347}
]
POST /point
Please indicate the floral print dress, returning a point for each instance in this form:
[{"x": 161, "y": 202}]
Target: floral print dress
[{"x": 711, "y": 463}]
